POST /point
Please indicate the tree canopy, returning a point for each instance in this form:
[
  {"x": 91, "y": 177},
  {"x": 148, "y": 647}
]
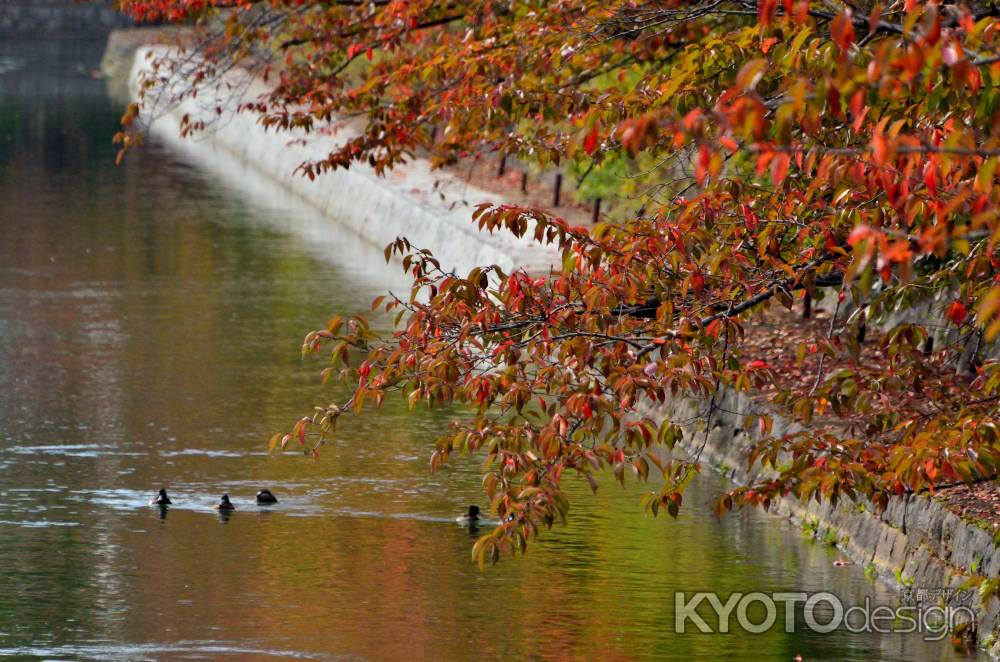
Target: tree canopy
[{"x": 777, "y": 150}]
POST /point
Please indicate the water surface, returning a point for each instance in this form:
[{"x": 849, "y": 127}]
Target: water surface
[{"x": 150, "y": 323}]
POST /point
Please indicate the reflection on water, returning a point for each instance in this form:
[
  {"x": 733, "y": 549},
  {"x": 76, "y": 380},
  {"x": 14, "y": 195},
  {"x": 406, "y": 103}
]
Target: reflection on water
[{"x": 150, "y": 323}]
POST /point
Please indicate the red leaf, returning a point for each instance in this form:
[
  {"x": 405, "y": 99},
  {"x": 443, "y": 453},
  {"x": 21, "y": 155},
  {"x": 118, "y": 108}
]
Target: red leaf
[
  {"x": 766, "y": 10},
  {"x": 957, "y": 313},
  {"x": 930, "y": 178},
  {"x": 801, "y": 13},
  {"x": 857, "y": 103},
  {"x": 701, "y": 165},
  {"x": 842, "y": 30},
  {"x": 859, "y": 234},
  {"x": 833, "y": 101},
  {"x": 590, "y": 142},
  {"x": 698, "y": 282}
]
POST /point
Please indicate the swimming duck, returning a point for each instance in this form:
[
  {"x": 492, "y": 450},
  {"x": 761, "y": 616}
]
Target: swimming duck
[
  {"x": 264, "y": 497},
  {"x": 471, "y": 516},
  {"x": 225, "y": 504},
  {"x": 161, "y": 500}
]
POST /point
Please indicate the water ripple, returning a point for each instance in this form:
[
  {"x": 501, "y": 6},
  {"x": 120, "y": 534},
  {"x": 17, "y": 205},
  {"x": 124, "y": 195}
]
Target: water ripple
[{"x": 180, "y": 650}]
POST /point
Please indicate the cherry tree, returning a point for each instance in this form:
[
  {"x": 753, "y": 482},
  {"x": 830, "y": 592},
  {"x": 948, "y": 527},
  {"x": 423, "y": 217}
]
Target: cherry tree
[{"x": 779, "y": 151}]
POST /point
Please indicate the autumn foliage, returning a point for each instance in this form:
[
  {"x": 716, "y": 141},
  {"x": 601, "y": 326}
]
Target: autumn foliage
[{"x": 783, "y": 150}]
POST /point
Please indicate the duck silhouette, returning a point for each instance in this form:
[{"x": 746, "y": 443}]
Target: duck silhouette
[
  {"x": 264, "y": 497},
  {"x": 161, "y": 499},
  {"x": 225, "y": 504},
  {"x": 471, "y": 516}
]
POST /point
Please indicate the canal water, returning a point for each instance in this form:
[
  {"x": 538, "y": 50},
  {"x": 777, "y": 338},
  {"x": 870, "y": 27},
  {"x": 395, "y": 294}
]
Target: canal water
[{"x": 150, "y": 324}]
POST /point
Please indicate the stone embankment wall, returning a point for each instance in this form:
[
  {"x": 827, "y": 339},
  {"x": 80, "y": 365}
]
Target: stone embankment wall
[
  {"x": 58, "y": 18},
  {"x": 917, "y": 542},
  {"x": 431, "y": 209}
]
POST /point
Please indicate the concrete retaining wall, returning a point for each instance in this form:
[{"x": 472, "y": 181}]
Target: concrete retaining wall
[
  {"x": 917, "y": 540},
  {"x": 431, "y": 209}
]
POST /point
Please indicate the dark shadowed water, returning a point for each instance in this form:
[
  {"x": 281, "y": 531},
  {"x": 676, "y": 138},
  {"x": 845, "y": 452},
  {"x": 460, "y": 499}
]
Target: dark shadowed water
[{"x": 150, "y": 324}]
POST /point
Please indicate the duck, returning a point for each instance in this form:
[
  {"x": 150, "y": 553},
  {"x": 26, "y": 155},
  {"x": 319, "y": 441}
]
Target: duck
[
  {"x": 471, "y": 516},
  {"x": 225, "y": 504},
  {"x": 161, "y": 499},
  {"x": 842, "y": 562},
  {"x": 264, "y": 497}
]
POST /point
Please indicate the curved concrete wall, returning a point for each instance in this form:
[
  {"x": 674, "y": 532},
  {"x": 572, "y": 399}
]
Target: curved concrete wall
[
  {"x": 431, "y": 209},
  {"x": 917, "y": 539}
]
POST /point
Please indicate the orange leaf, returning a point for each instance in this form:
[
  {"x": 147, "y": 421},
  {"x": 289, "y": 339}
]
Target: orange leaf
[
  {"x": 779, "y": 168},
  {"x": 857, "y": 103},
  {"x": 729, "y": 143},
  {"x": 880, "y": 148}
]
